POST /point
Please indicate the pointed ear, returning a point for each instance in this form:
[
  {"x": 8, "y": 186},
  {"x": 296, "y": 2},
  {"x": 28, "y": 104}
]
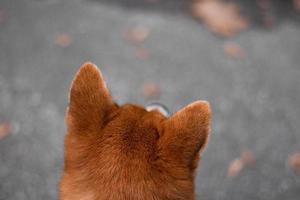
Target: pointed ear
[
  {"x": 89, "y": 100},
  {"x": 186, "y": 133}
]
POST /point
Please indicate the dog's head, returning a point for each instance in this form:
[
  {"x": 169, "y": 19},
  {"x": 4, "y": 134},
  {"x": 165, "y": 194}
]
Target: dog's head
[{"x": 124, "y": 152}]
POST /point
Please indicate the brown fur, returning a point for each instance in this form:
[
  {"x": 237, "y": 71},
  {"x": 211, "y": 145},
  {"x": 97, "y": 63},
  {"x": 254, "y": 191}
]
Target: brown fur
[{"x": 124, "y": 152}]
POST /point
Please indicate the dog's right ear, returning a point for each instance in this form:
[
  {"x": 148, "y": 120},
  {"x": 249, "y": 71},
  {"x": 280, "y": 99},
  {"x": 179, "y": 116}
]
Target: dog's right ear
[{"x": 90, "y": 100}]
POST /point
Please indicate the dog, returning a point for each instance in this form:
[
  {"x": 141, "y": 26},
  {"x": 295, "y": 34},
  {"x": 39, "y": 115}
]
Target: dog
[{"x": 124, "y": 152}]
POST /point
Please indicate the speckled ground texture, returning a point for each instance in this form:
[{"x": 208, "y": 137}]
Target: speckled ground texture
[{"x": 255, "y": 101}]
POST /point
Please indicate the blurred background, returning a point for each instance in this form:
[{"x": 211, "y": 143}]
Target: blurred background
[{"x": 243, "y": 56}]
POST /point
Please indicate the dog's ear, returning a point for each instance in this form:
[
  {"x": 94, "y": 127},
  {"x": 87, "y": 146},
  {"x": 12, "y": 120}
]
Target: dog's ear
[
  {"x": 186, "y": 133},
  {"x": 90, "y": 100}
]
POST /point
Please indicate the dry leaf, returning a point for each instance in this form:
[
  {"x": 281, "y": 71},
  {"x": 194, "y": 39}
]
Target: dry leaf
[
  {"x": 297, "y": 5},
  {"x": 248, "y": 158},
  {"x": 269, "y": 21},
  {"x": 265, "y": 7},
  {"x": 234, "y": 50},
  {"x": 5, "y": 129},
  {"x": 151, "y": 90},
  {"x": 221, "y": 17},
  {"x": 294, "y": 162},
  {"x": 142, "y": 54},
  {"x": 264, "y": 4},
  {"x": 137, "y": 35},
  {"x": 235, "y": 167},
  {"x": 2, "y": 16},
  {"x": 63, "y": 40},
  {"x": 152, "y": 1}
]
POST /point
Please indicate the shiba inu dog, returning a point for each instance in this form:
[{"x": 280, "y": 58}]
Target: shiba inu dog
[{"x": 124, "y": 152}]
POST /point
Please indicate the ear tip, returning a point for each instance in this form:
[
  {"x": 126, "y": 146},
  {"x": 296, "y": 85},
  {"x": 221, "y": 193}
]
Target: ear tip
[
  {"x": 89, "y": 67},
  {"x": 204, "y": 105},
  {"x": 88, "y": 63},
  {"x": 87, "y": 73},
  {"x": 88, "y": 70}
]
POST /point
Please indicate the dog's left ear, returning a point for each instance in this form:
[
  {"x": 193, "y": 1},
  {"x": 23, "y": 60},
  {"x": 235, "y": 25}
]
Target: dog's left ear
[
  {"x": 89, "y": 100},
  {"x": 185, "y": 134}
]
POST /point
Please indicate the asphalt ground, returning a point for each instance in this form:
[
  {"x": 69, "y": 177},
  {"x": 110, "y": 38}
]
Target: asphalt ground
[{"x": 255, "y": 100}]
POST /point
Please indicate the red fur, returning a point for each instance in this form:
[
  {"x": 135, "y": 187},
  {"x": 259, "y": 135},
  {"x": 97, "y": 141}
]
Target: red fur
[{"x": 124, "y": 152}]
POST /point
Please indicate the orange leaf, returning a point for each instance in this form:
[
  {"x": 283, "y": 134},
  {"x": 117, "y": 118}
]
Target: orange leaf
[
  {"x": 2, "y": 16},
  {"x": 151, "y": 90},
  {"x": 234, "y": 50},
  {"x": 5, "y": 129},
  {"x": 142, "y": 54},
  {"x": 137, "y": 35},
  {"x": 248, "y": 158},
  {"x": 63, "y": 40},
  {"x": 235, "y": 167},
  {"x": 297, "y": 5},
  {"x": 294, "y": 162},
  {"x": 222, "y": 18}
]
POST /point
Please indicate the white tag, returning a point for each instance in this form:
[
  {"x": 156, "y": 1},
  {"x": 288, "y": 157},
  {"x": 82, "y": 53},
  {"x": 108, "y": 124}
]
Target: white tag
[{"x": 159, "y": 107}]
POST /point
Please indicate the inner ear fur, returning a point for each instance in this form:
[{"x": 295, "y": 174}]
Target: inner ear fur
[
  {"x": 89, "y": 100},
  {"x": 186, "y": 133}
]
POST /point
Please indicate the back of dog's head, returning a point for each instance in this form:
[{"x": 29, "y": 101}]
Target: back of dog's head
[{"x": 117, "y": 152}]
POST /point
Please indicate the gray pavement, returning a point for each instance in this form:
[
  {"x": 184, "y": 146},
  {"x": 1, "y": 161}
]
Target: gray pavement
[{"x": 255, "y": 101}]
